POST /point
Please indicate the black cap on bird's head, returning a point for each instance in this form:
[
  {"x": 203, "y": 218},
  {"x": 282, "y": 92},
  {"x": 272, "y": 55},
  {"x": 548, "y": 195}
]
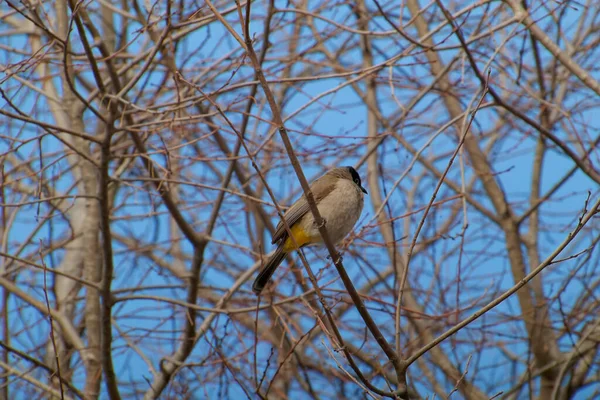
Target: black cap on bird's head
[{"x": 356, "y": 178}]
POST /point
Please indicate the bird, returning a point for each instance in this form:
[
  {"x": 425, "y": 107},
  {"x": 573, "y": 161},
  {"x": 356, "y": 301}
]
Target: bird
[{"x": 340, "y": 200}]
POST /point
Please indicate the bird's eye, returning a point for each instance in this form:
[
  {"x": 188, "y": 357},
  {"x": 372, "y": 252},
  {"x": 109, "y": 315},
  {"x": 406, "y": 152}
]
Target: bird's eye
[{"x": 357, "y": 182}]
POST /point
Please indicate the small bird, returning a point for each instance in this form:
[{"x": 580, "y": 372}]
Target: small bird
[{"x": 339, "y": 198}]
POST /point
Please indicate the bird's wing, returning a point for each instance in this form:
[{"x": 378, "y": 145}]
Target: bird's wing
[{"x": 320, "y": 188}]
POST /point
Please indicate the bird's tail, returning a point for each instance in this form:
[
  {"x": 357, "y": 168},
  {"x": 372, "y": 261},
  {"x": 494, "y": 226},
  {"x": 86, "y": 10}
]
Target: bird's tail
[{"x": 265, "y": 274}]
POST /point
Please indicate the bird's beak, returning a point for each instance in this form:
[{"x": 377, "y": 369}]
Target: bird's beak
[{"x": 364, "y": 190}]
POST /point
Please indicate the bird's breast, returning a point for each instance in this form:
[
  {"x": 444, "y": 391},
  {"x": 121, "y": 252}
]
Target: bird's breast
[{"x": 341, "y": 208}]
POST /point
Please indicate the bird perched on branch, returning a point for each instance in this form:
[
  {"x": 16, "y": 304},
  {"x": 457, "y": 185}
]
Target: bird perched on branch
[{"x": 339, "y": 198}]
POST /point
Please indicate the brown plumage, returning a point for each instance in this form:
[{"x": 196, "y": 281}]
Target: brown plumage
[{"x": 339, "y": 198}]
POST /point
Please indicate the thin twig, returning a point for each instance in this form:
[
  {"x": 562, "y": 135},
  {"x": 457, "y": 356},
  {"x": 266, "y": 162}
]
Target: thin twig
[{"x": 52, "y": 338}]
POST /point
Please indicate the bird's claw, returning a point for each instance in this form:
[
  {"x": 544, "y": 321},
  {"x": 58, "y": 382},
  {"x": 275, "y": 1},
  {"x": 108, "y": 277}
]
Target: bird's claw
[
  {"x": 340, "y": 258},
  {"x": 322, "y": 224}
]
